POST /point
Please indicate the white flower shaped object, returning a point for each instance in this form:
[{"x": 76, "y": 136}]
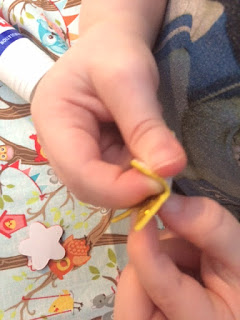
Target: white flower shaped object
[{"x": 42, "y": 245}]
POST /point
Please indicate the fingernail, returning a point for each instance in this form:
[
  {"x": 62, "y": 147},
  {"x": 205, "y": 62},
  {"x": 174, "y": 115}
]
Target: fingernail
[
  {"x": 166, "y": 161},
  {"x": 169, "y": 166},
  {"x": 155, "y": 186}
]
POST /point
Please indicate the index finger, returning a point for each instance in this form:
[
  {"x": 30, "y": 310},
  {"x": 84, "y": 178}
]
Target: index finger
[{"x": 207, "y": 225}]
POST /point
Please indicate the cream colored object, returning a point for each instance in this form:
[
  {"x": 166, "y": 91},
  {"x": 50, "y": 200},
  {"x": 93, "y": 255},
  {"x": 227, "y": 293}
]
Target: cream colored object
[
  {"x": 22, "y": 63},
  {"x": 42, "y": 245}
]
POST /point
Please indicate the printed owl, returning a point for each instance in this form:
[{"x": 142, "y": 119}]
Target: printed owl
[
  {"x": 50, "y": 39},
  {"x": 77, "y": 254},
  {"x": 6, "y": 153}
]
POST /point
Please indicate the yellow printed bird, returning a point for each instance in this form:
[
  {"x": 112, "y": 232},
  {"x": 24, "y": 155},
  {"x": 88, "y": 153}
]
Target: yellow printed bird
[{"x": 64, "y": 302}]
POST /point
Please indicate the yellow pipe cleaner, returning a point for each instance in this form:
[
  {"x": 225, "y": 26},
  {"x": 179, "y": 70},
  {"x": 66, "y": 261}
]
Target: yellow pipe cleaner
[{"x": 148, "y": 208}]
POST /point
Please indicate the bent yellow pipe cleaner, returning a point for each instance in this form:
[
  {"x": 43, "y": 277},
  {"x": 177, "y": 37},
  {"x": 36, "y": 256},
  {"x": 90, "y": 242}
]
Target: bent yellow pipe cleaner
[{"x": 148, "y": 208}]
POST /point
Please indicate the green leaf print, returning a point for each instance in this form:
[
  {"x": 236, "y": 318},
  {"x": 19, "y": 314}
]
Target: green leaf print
[
  {"x": 21, "y": 277},
  {"x": 32, "y": 200},
  {"x": 17, "y": 278},
  {"x": 47, "y": 224},
  {"x": 21, "y": 20},
  {"x": 1, "y": 314},
  {"x": 111, "y": 265},
  {"x": 112, "y": 256},
  {"x": 29, "y": 287},
  {"x": 13, "y": 314},
  {"x": 10, "y": 186},
  {"x": 57, "y": 22},
  {"x": 7, "y": 198},
  {"x": 96, "y": 277},
  {"x": 94, "y": 270},
  {"x": 84, "y": 214},
  {"x": 1, "y": 203},
  {"x": 82, "y": 203},
  {"x": 29, "y": 15},
  {"x": 57, "y": 216},
  {"x": 78, "y": 225}
]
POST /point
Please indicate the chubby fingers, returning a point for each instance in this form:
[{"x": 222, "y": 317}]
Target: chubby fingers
[
  {"x": 177, "y": 295},
  {"x": 134, "y": 106},
  {"x": 132, "y": 302},
  {"x": 71, "y": 143},
  {"x": 68, "y": 113},
  {"x": 215, "y": 232},
  {"x": 68, "y": 122},
  {"x": 207, "y": 225}
]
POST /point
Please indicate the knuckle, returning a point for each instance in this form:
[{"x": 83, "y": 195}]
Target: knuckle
[
  {"x": 201, "y": 217},
  {"x": 212, "y": 219},
  {"x": 141, "y": 130},
  {"x": 123, "y": 72},
  {"x": 215, "y": 214}
]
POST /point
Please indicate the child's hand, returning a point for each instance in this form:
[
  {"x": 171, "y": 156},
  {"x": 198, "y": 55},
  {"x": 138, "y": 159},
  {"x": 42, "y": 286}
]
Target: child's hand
[
  {"x": 105, "y": 83},
  {"x": 195, "y": 275}
]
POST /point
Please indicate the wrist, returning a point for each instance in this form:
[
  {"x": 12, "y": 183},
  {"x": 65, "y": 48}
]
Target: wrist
[
  {"x": 140, "y": 18},
  {"x": 127, "y": 24}
]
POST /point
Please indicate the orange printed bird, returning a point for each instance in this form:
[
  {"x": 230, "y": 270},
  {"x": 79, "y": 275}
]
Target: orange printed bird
[{"x": 77, "y": 254}]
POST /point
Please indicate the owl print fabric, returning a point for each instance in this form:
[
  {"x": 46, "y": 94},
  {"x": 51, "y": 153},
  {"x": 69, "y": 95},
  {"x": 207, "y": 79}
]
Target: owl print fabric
[
  {"x": 200, "y": 93},
  {"x": 81, "y": 285}
]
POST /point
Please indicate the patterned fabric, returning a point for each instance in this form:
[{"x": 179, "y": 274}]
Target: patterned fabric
[
  {"x": 198, "y": 58},
  {"x": 83, "y": 284},
  {"x": 198, "y": 55}
]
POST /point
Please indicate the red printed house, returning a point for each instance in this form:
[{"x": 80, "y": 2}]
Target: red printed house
[{"x": 10, "y": 223}]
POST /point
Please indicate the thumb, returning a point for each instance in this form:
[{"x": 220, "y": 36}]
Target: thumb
[{"x": 135, "y": 108}]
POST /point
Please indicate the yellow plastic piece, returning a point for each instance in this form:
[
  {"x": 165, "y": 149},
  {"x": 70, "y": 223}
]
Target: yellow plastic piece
[{"x": 149, "y": 207}]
